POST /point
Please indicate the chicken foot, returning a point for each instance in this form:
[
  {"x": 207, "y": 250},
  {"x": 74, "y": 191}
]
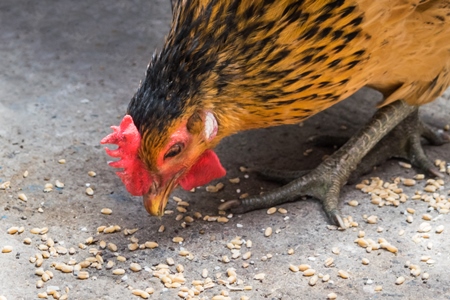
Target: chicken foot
[
  {"x": 401, "y": 142},
  {"x": 325, "y": 181}
]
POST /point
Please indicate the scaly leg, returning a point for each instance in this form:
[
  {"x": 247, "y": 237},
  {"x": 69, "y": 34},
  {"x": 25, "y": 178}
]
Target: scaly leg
[
  {"x": 325, "y": 182},
  {"x": 402, "y": 142}
]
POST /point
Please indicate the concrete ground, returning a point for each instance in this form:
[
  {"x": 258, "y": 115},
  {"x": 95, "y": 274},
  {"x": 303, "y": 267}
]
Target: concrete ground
[{"x": 67, "y": 72}]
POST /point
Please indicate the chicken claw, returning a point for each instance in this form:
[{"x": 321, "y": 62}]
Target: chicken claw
[{"x": 325, "y": 181}]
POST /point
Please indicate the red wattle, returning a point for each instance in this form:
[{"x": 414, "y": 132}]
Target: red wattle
[{"x": 206, "y": 169}]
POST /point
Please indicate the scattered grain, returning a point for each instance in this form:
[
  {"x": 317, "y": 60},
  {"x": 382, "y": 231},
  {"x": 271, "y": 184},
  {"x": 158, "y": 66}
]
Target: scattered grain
[
  {"x": 427, "y": 217},
  {"x": 331, "y": 296},
  {"x": 7, "y": 249},
  {"x": 106, "y": 211},
  {"x": 83, "y": 275},
  {"x": 343, "y": 274},
  {"x": 260, "y": 276},
  {"x": 59, "y": 184},
  {"x": 335, "y": 250},
  {"x": 178, "y": 239},
  {"x": 353, "y": 203},
  {"x": 409, "y": 182},
  {"x": 141, "y": 293},
  {"x": 400, "y": 280},
  {"x": 118, "y": 272},
  {"x": 135, "y": 267},
  {"x": 271, "y": 210},
  {"x": 89, "y": 191},
  {"x": 372, "y": 219},
  {"x": 282, "y": 210},
  {"x": 329, "y": 262},
  {"x": 313, "y": 280},
  {"x": 309, "y": 272}
]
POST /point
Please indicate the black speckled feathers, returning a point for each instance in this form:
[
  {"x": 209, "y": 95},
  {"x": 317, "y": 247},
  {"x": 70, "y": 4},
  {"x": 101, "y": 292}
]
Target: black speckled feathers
[{"x": 260, "y": 63}]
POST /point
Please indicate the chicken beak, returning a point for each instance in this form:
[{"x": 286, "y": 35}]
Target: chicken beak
[{"x": 155, "y": 200}]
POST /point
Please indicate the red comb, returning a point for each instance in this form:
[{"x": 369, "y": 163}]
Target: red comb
[{"x": 134, "y": 175}]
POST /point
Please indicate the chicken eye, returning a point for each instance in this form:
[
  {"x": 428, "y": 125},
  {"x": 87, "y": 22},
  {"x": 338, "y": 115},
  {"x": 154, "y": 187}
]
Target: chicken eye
[{"x": 174, "y": 151}]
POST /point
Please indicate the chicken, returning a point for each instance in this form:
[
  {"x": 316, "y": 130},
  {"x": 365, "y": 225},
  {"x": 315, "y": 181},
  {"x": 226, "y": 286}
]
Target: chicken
[{"x": 234, "y": 65}]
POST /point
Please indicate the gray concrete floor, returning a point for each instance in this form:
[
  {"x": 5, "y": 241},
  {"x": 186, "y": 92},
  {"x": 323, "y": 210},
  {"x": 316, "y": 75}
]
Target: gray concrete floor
[{"x": 67, "y": 72}]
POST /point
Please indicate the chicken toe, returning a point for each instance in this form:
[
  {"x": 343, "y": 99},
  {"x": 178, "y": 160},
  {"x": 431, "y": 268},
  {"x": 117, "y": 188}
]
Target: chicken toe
[{"x": 325, "y": 181}]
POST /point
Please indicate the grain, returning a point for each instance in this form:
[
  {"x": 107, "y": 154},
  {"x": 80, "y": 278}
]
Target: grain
[
  {"x": 404, "y": 165},
  {"x": 427, "y": 217},
  {"x": 260, "y": 276},
  {"x": 409, "y": 219},
  {"x": 378, "y": 288},
  {"x": 118, "y": 272},
  {"x": 112, "y": 247},
  {"x": 170, "y": 261},
  {"x": 313, "y": 280},
  {"x": 92, "y": 173},
  {"x": 110, "y": 264},
  {"x": 151, "y": 245},
  {"x": 424, "y": 227},
  {"x": 440, "y": 229},
  {"x": 425, "y": 276},
  {"x": 430, "y": 188},
  {"x": 309, "y": 272},
  {"x": 48, "y": 187},
  {"x": 331, "y": 296},
  {"x": 5, "y": 185},
  {"x": 161, "y": 228},
  {"x": 353, "y": 203},
  {"x": 271, "y": 210},
  {"x": 89, "y": 191},
  {"x": 268, "y": 232},
  {"x": 409, "y": 182},
  {"x": 39, "y": 284},
  {"x": 204, "y": 273},
  {"x": 282, "y": 210},
  {"x": 141, "y": 293},
  {"x": 180, "y": 268},
  {"x": 133, "y": 246},
  {"x": 181, "y": 209},
  {"x": 222, "y": 220},
  {"x": 372, "y": 219},
  {"x": 7, "y": 249},
  {"x": 329, "y": 262},
  {"x": 290, "y": 251},
  {"x": 43, "y": 295},
  {"x": 293, "y": 268},
  {"x": 246, "y": 255},
  {"x": 135, "y": 267},
  {"x": 59, "y": 184},
  {"x": 400, "y": 280},
  {"x": 343, "y": 274},
  {"x": 121, "y": 258},
  {"x": 178, "y": 239},
  {"x": 106, "y": 211},
  {"x": 335, "y": 250},
  {"x": 411, "y": 210},
  {"x": 365, "y": 261},
  {"x": 62, "y": 161},
  {"x": 12, "y": 230},
  {"x": 83, "y": 275},
  {"x": 27, "y": 241}
]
